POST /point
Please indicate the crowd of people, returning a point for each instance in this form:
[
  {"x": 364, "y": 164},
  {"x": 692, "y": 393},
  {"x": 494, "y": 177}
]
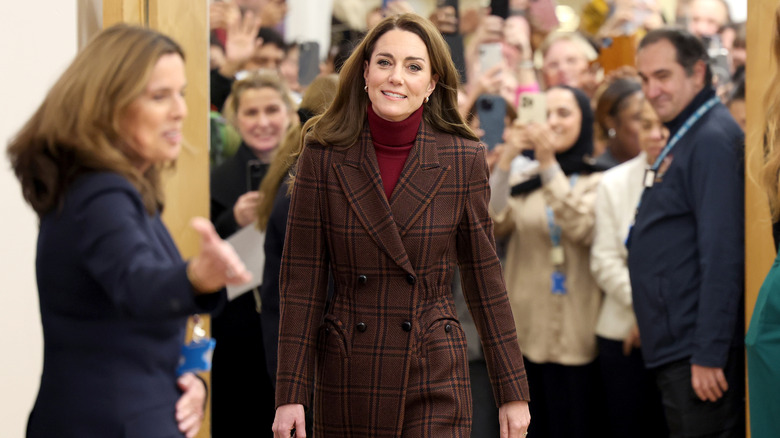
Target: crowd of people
[{"x": 583, "y": 208}]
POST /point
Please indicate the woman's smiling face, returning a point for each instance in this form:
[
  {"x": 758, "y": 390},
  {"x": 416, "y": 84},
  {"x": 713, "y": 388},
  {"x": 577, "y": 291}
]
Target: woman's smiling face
[{"x": 398, "y": 75}]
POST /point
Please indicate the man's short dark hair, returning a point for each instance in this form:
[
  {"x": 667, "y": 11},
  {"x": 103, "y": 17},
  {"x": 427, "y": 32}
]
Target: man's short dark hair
[
  {"x": 271, "y": 36},
  {"x": 690, "y": 49}
]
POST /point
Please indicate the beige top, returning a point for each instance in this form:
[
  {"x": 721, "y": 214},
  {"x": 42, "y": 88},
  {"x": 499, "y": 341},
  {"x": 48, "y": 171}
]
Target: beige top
[
  {"x": 616, "y": 202},
  {"x": 550, "y": 328}
]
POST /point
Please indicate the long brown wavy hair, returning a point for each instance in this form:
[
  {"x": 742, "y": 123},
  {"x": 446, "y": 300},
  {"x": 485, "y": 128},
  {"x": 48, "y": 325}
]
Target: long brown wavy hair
[
  {"x": 77, "y": 127},
  {"x": 770, "y": 173},
  {"x": 342, "y": 123},
  {"x": 316, "y": 99}
]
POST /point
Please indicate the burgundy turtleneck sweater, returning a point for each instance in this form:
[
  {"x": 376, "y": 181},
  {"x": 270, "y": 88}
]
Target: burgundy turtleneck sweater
[{"x": 392, "y": 143}]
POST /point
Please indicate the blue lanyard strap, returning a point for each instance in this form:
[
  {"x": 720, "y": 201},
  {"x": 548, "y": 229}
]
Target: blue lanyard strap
[
  {"x": 555, "y": 229},
  {"x": 683, "y": 130}
]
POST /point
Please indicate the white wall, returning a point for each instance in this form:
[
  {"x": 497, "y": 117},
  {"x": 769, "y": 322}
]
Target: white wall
[
  {"x": 37, "y": 41},
  {"x": 306, "y": 23}
]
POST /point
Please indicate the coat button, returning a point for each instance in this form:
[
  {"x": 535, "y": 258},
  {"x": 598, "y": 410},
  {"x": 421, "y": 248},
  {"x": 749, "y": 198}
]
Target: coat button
[
  {"x": 407, "y": 326},
  {"x": 448, "y": 328},
  {"x": 361, "y": 327},
  {"x": 362, "y": 279},
  {"x": 410, "y": 279}
]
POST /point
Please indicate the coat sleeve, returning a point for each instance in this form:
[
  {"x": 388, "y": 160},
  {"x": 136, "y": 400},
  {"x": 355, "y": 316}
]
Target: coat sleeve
[
  {"x": 485, "y": 291},
  {"x": 608, "y": 262},
  {"x": 717, "y": 194},
  {"x": 573, "y": 206},
  {"x": 119, "y": 253},
  {"x": 303, "y": 284}
]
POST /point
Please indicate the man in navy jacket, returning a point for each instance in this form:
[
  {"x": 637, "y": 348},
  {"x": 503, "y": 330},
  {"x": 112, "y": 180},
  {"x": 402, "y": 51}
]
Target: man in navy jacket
[{"x": 686, "y": 248}]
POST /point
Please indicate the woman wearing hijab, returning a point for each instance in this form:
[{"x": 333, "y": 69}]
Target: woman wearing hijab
[{"x": 548, "y": 222}]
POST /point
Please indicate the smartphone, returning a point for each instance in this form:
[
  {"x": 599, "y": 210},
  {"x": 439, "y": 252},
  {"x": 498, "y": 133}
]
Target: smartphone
[
  {"x": 541, "y": 15},
  {"x": 532, "y": 108},
  {"x": 308, "y": 62},
  {"x": 489, "y": 56},
  {"x": 254, "y": 175},
  {"x": 500, "y": 8},
  {"x": 491, "y": 110}
]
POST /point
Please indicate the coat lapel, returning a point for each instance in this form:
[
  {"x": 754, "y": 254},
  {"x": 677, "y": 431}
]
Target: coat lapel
[
  {"x": 420, "y": 179},
  {"x": 361, "y": 182}
]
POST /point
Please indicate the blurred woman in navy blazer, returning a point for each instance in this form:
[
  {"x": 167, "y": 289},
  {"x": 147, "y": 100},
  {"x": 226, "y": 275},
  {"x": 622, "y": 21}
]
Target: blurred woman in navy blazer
[{"x": 114, "y": 291}]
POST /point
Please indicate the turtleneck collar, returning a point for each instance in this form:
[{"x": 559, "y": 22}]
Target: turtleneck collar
[
  {"x": 701, "y": 97},
  {"x": 389, "y": 133}
]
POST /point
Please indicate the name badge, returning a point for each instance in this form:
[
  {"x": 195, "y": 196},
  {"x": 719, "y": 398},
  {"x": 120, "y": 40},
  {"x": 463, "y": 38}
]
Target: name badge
[
  {"x": 649, "y": 178},
  {"x": 556, "y": 255},
  {"x": 196, "y": 355}
]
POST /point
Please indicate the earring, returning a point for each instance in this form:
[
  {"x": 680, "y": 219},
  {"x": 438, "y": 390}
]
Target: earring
[
  {"x": 611, "y": 133},
  {"x": 365, "y": 88},
  {"x": 427, "y": 99}
]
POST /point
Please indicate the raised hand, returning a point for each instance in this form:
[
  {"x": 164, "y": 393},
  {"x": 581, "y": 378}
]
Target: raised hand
[{"x": 217, "y": 264}]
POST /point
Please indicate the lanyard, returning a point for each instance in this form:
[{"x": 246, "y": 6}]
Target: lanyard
[
  {"x": 650, "y": 173},
  {"x": 555, "y": 229},
  {"x": 683, "y": 130}
]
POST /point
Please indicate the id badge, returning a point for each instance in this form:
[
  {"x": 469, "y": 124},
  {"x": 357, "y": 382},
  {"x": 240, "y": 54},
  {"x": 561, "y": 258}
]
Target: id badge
[
  {"x": 196, "y": 355},
  {"x": 556, "y": 255},
  {"x": 558, "y": 283}
]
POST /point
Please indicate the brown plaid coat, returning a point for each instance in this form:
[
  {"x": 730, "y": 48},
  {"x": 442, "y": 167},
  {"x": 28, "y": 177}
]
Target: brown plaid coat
[{"x": 387, "y": 358}]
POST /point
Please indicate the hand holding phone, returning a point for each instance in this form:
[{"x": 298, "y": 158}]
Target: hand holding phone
[
  {"x": 491, "y": 110},
  {"x": 532, "y": 108},
  {"x": 489, "y": 56}
]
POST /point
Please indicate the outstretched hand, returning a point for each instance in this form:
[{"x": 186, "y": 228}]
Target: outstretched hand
[{"x": 217, "y": 264}]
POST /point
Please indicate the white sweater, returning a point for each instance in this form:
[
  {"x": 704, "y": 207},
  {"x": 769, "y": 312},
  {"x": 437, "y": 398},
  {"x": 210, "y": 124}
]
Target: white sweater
[{"x": 616, "y": 202}]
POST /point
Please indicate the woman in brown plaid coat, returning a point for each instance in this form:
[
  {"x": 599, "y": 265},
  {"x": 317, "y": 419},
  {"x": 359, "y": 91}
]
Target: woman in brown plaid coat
[{"x": 386, "y": 357}]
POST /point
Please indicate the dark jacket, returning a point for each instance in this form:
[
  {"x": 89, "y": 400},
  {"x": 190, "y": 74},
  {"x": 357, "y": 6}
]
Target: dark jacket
[
  {"x": 686, "y": 249},
  {"x": 229, "y": 181},
  {"x": 269, "y": 290},
  {"x": 114, "y": 299},
  {"x": 389, "y": 351}
]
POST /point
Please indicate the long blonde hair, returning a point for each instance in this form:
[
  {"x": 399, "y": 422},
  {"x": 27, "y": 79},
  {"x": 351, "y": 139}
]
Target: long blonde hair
[
  {"x": 342, "y": 123},
  {"x": 318, "y": 96},
  {"x": 770, "y": 173},
  {"x": 76, "y": 129}
]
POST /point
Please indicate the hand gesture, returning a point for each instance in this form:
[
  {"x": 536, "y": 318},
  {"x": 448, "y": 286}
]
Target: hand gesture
[
  {"x": 289, "y": 418},
  {"x": 632, "y": 341},
  {"x": 708, "y": 383},
  {"x": 189, "y": 407},
  {"x": 245, "y": 210},
  {"x": 241, "y": 40},
  {"x": 217, "y": 264},
  {"x": 543, "y": 141},
  {"x": 514, "y": 419}
]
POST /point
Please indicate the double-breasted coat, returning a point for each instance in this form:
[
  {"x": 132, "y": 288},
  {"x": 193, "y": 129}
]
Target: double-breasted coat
[{"x": 387, "y": 356}]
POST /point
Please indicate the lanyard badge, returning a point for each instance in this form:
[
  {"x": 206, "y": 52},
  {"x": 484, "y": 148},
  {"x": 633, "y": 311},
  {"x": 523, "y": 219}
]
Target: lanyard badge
[
  {"x": 196, "y": 355},
  {"x": 557, "y": 256}
]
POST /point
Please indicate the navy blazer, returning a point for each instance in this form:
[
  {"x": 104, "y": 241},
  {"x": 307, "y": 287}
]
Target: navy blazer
[{"x": 114, "y": 299}]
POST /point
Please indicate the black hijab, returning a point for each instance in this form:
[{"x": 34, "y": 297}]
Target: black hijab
[{"x": 576, "y": 159}]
